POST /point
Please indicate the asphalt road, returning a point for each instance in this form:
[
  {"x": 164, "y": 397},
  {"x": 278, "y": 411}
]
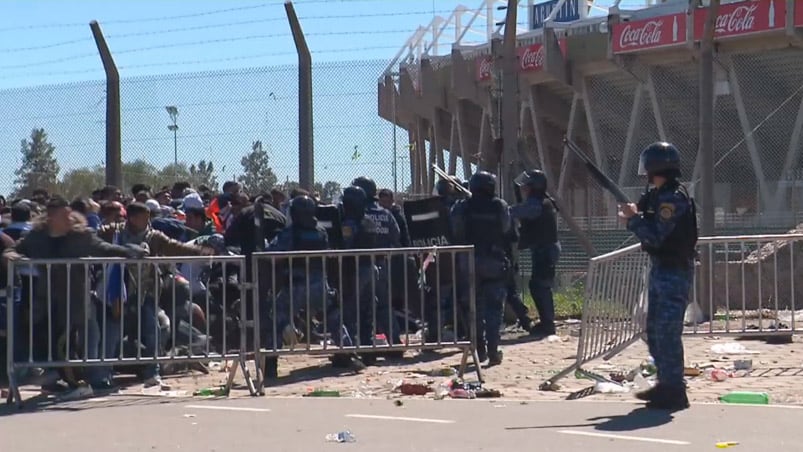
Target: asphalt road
[{"x": 156, "y": 424}]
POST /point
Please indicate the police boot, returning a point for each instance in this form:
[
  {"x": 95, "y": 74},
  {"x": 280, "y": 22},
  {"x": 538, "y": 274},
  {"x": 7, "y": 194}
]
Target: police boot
[
  {"x": 495, "y": 358},
  {"x": 542, "y": 331},
  {"x": 670, "y": 398},
  {"x": 271, "y": 370}
]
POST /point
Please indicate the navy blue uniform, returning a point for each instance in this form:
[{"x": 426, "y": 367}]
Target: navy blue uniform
[
  {"x": 302, "y": 281},
  {"x": 667, "y": 230},
  {"x": 484, "y": 222},
  {"x": 388, "y": 235},
  {"x": 539, "y": 233}
]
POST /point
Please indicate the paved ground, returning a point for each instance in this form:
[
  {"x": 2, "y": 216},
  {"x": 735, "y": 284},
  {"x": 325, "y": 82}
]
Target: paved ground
[
  {"x": 777, "y": 369},
  {"x": 123, "y": 423}
]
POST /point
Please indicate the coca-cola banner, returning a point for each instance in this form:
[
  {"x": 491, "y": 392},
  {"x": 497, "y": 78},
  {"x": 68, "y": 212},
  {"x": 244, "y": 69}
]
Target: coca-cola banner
[
  {"x": 662, "y": 31},
  {"x": 483, "y": 67},
  {"x": 532, "y": 58},
  {"x": 798, "y": 13},
  {"x": 743, "y": 18}
]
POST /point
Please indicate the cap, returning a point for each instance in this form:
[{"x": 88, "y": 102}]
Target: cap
[
  {"x": 193, "y": 201},
  {"x": 153, "y": 205}
]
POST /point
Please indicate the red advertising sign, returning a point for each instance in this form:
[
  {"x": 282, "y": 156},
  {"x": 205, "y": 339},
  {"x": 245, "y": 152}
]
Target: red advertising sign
[
  {"x": 483, "y": 68},
  {"x": 743, "y": 18},
  {"x": 662, "y": 31},
  {"x": 533, "y": 57},
  {"x": 798, "y": 13}
]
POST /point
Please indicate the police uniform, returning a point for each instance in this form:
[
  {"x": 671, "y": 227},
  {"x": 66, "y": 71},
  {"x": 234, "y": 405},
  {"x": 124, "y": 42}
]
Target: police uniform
[
  {"x": 388, "y": 235},
  {"x": 483, "y": 221},
  {"x": 303, "y": 281},
  {"x": 538, "y": 231},
  {"x": 666, "y": 225},
  {"x": 513, "y": 298}
]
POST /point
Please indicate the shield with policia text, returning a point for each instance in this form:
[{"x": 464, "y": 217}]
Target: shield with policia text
[
  {"x": 427, "y": 222},
  {"x": 329, "y": 218}
]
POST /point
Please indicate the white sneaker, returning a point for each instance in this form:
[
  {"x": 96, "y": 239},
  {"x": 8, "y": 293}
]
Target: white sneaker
[{"x": 78, "y": 393}]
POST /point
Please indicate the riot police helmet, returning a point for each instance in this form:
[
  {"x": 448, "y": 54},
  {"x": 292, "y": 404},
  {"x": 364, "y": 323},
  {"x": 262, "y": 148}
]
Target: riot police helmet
[
  {"x": 354, "y": 202},
  {"x": 482, "y": 183},
  {"x": 445, "y": 187},
  {"x": 302, "y": 211},
  {"x": 535, "y": 179},
  {"x": 660, "y": 159},
  {"x": 367, "y": 184}
]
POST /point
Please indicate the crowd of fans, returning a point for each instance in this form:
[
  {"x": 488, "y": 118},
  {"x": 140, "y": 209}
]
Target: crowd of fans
[{"x": 110, "y": 223}]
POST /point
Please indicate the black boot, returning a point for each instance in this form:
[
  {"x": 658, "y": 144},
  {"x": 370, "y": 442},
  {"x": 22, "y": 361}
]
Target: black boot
[
  {"x": 669, "y": 398},
  {"x": 542, "y": 330},
  {"x": 495, "y": 358}
]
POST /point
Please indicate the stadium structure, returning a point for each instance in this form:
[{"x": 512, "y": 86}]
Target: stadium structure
[{"x": 613, "y": 80}]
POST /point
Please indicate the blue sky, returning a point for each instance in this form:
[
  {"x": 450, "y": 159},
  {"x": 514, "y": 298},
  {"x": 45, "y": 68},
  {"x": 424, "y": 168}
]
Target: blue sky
[{"x": 47, "y": 42}]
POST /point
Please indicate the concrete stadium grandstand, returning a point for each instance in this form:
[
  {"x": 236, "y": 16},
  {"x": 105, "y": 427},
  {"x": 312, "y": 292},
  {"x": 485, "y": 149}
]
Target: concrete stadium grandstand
[{"x": 613, "y": 78}]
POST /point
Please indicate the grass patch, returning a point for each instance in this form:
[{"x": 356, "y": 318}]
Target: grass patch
[{"x": 568, "y": 301}]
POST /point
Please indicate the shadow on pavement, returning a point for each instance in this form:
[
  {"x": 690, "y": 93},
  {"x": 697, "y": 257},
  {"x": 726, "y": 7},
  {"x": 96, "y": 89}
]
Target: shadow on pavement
[{"x": 639, "y": 418}]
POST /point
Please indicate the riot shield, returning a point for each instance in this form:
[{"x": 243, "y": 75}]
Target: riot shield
[
  {"x": 427, "y": 221},
  {"x": 329, "y": 218}
]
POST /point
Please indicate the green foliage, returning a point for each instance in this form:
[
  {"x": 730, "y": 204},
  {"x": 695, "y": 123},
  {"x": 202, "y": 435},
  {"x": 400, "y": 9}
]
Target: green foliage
[
  {"x": 258, "y": 176},
  {"x": 204, "y": 174},
  {"x": 39, "y": 167},
  {"x": 82, "y": 182}
]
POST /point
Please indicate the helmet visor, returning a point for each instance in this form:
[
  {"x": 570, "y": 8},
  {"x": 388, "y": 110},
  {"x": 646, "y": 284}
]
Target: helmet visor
[{"x": 642, "y": 169}]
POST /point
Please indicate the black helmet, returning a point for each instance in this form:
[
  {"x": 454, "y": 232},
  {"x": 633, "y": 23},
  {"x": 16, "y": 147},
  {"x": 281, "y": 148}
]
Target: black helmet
[
  {"x": 660, "y": 159},
  {"x": 445, "y": 186},
  {"x": 302, "y": 211},
  {"x": 482, "y": 183},
  {"x": 535, "y": 179},
  {"x": 367, "y": 184},
  {"x": 354, "y": 202}
]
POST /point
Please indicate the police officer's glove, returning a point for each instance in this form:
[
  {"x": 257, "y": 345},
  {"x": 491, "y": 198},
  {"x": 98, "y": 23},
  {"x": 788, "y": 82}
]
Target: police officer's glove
[
  {"x": 643, "y": 202},
  {"x": 137, "y": 251}
]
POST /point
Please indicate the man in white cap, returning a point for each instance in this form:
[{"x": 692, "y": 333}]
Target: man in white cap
[{"x": 195, "y": 215}]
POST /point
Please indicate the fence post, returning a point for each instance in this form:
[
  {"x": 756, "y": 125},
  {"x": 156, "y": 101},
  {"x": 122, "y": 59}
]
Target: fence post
[
  {"x": 114, "y": 163},
  {"x": 306, "y": 170}
]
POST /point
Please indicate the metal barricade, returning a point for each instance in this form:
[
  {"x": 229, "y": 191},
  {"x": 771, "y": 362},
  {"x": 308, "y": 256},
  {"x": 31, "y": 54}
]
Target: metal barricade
[
  {"x": 752, "y": 291},
  {"x": 364, "y": 303},
  {"x": 92, "y": 314}
]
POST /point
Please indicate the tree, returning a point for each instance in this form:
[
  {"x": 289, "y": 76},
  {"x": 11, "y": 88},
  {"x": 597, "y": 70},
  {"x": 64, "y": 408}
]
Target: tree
[
  {"x": 257, "y": 177},
  {"x": 82, "y": 181},
  {"x": 204, "y": 174},
  {"x": 330, "y": 191},
  {"x": 39, "y": 166},
  {"x": 139, "y": 172},
  {"x": 171, "y": 174}
]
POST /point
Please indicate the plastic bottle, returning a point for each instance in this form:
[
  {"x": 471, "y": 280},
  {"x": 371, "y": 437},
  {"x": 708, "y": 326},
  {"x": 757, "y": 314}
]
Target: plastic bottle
[
  {"x": 341, "y": 437},
  {"x": 748, "y": 398},
  {"x": 609, "y": 388},
  {"x": 726, "y": 444},
  {"x": 323, "y": 393}
]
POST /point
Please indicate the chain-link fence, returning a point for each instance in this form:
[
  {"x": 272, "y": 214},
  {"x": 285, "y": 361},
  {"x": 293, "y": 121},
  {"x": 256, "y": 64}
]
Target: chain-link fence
[{"x": 223, "y": 116}]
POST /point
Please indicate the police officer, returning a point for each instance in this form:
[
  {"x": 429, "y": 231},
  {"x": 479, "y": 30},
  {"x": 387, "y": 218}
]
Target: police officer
[
  {"x": 665, "y": 222},
  {"x": 301, "y": 282},
  {"x": 538, "y": 230},
  {"x": 359, "y": 232},
  {"x": 388, "y": 235},
  {"x": 483, "y": 221}
]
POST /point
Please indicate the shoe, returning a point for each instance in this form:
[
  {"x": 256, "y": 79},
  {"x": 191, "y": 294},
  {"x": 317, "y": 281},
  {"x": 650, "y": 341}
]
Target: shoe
[
  {"x": 495, "y": 359},
  {"x": 78, "y": 393},
  {"x": 669, "y": 399},
  {"x": 542, "y": 331},
  {"x": 156, "y": 380},
  {"x": 647, "y": 395},
  {"x": 526, "y": 325},
  {"x": 271, "y": 368}
]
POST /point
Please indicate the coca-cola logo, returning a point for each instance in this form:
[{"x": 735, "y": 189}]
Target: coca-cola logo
[
  {"x": 644, "y": 35},
  {"x": 532, "y": 58},
  {"x": 739, "y": 20},
  {"x": 484, "y": 70}
]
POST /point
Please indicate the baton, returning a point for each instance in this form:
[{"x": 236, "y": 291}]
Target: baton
[
  {"x": 443, "y": 175},
  {"x": 597, "y": 173}
]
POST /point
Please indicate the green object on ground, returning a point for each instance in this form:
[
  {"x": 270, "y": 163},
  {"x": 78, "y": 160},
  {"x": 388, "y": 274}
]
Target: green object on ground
[
  {"x": 321, "y": 393},
  {"x": 747, "y": 398}
]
